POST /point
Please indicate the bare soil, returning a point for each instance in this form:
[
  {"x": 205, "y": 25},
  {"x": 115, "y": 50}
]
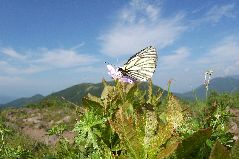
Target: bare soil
[
  {"x": 234, "y": 123},
  {"x": 36, "y": 122}
]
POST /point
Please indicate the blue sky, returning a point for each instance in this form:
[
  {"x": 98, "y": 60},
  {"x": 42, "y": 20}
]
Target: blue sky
[{"x": 46, "y": 46}]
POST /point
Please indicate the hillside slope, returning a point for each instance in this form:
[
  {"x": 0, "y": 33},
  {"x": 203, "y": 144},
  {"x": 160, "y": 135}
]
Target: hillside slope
[{"x": 76, "y": 92}]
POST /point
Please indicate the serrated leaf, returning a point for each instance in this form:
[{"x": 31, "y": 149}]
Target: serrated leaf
[
  {"x": 163, "y": 117},
  {"x": 219, "y": 151},
  {"x": 128, "y": 87},
  {"x": 94, "y": 99},
  {"x": 234, "y": 154},
  {"x": 151, "y": 125},
  {"x": 169, "y": 150},
  {"x": 87, "y": 129},
  {"x": 191, "y": 145},
  {"x": 150, "y": 92},
  {"x": 125, "y": 128},
  {"x": 107, "y": 91},
  {"x": 104, "y": 82},
  {"x": 92, "y": 104}
]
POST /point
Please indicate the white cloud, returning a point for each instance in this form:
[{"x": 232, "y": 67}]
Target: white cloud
[
  {"x": 188, "y": 70},
  {"x": 44, "y": 59},
  {"x": 9, "y": 80},
  {"x": 5, "y": 67},
  {"x": 224, "y": 56},
  {"x": 224, "y": 52},
  {"x": 64, "y": 58},
  {"x": 138, "y": 11},
  {"x": 3, "y": 63},
  {"x": 237, "y": 63},
  {"x": 22, "y": 86},
  {"x": 139, "y": 25},
  {"x": 227, "y": 49},
  {"x": 78, "y": 46},
  {"x": 173, "y": 60},
  {"x": 176, "y": 66},
  {"x": 91, "y": 69},
  {"x": 9, "y": 68},
  {"x": 12, "y": 53},
  {"x": 31, "y": 69},
  {"x": 218, "y": 12},
  {"x": 213, "y": 15}
]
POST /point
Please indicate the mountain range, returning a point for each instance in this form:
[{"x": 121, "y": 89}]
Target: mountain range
[
  {"x": 75, "y": 93},
  {"x": 23, "y": 101},
  {"x": 220, "y": 84},
  {"x": 6, "y": 99}
]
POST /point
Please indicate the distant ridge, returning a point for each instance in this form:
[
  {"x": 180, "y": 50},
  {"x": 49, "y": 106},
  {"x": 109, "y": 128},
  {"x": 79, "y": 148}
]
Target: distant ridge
[
  {"x": 5, "y": 99},
  {"x": 75, "y": 93},
  {"x": 24, "y": 101},
  {"x": 228, "y": 84},
  {"x": 235, "y": 76}
]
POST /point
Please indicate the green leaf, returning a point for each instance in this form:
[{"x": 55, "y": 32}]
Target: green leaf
[
  {"x": 150, "y": 92},
  {"x": 90, "y": 102},
  {"x": 219, "y": 151},
  {"x": 130, "y": 138},
  {"x": 107, "y": 92},
  {"x": 151, "y": 125},
  {"x": 57, "y": 130},
  {"x": 167, "y": 151},
  {"x": 235, "y": 150},
  {"x": 94, "y": 99},
  {"x": 88, "y": 131},
  {"x": 191, "y": 145}
]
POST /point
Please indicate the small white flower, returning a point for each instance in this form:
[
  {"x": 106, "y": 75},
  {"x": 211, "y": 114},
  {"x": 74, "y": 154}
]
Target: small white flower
[{"x": 207, "y": 77}]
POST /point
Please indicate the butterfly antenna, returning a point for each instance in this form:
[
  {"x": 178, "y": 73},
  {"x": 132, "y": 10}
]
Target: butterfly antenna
[{"x": 110, "y": 64}]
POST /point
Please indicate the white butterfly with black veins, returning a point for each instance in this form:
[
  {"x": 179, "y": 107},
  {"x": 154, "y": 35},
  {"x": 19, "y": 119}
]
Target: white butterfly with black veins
[{"x": 140, "y": 67}]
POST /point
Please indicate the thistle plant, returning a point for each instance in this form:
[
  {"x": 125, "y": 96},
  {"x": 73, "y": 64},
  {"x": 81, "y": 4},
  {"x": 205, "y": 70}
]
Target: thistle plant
[
  {"x": 125, "y": 122},
  {"x": 207, "y": 78}
]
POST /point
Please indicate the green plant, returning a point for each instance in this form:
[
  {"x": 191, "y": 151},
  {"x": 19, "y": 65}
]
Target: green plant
[
  {"x": 217, "y": 117},
  {"x": 125, "y": 122},
  {"x": 213, "y": 114},
  {"x": 220, "y": 151},
  {"x": 6, "y": 150},
  {"x": 57, "y": 130}
]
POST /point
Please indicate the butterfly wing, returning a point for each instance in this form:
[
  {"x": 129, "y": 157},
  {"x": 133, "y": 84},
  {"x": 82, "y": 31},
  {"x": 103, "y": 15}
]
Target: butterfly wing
[{"x": 142, "y": 65}]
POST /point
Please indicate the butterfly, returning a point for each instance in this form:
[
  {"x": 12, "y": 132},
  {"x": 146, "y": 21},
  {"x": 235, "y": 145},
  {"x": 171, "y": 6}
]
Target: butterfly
[{"x": 139, "y": 67}]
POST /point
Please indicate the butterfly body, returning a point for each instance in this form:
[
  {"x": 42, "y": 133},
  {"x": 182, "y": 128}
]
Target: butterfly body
[
  {"x": 139, "y": 67},
  {"x": 116, "y": 74}
]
